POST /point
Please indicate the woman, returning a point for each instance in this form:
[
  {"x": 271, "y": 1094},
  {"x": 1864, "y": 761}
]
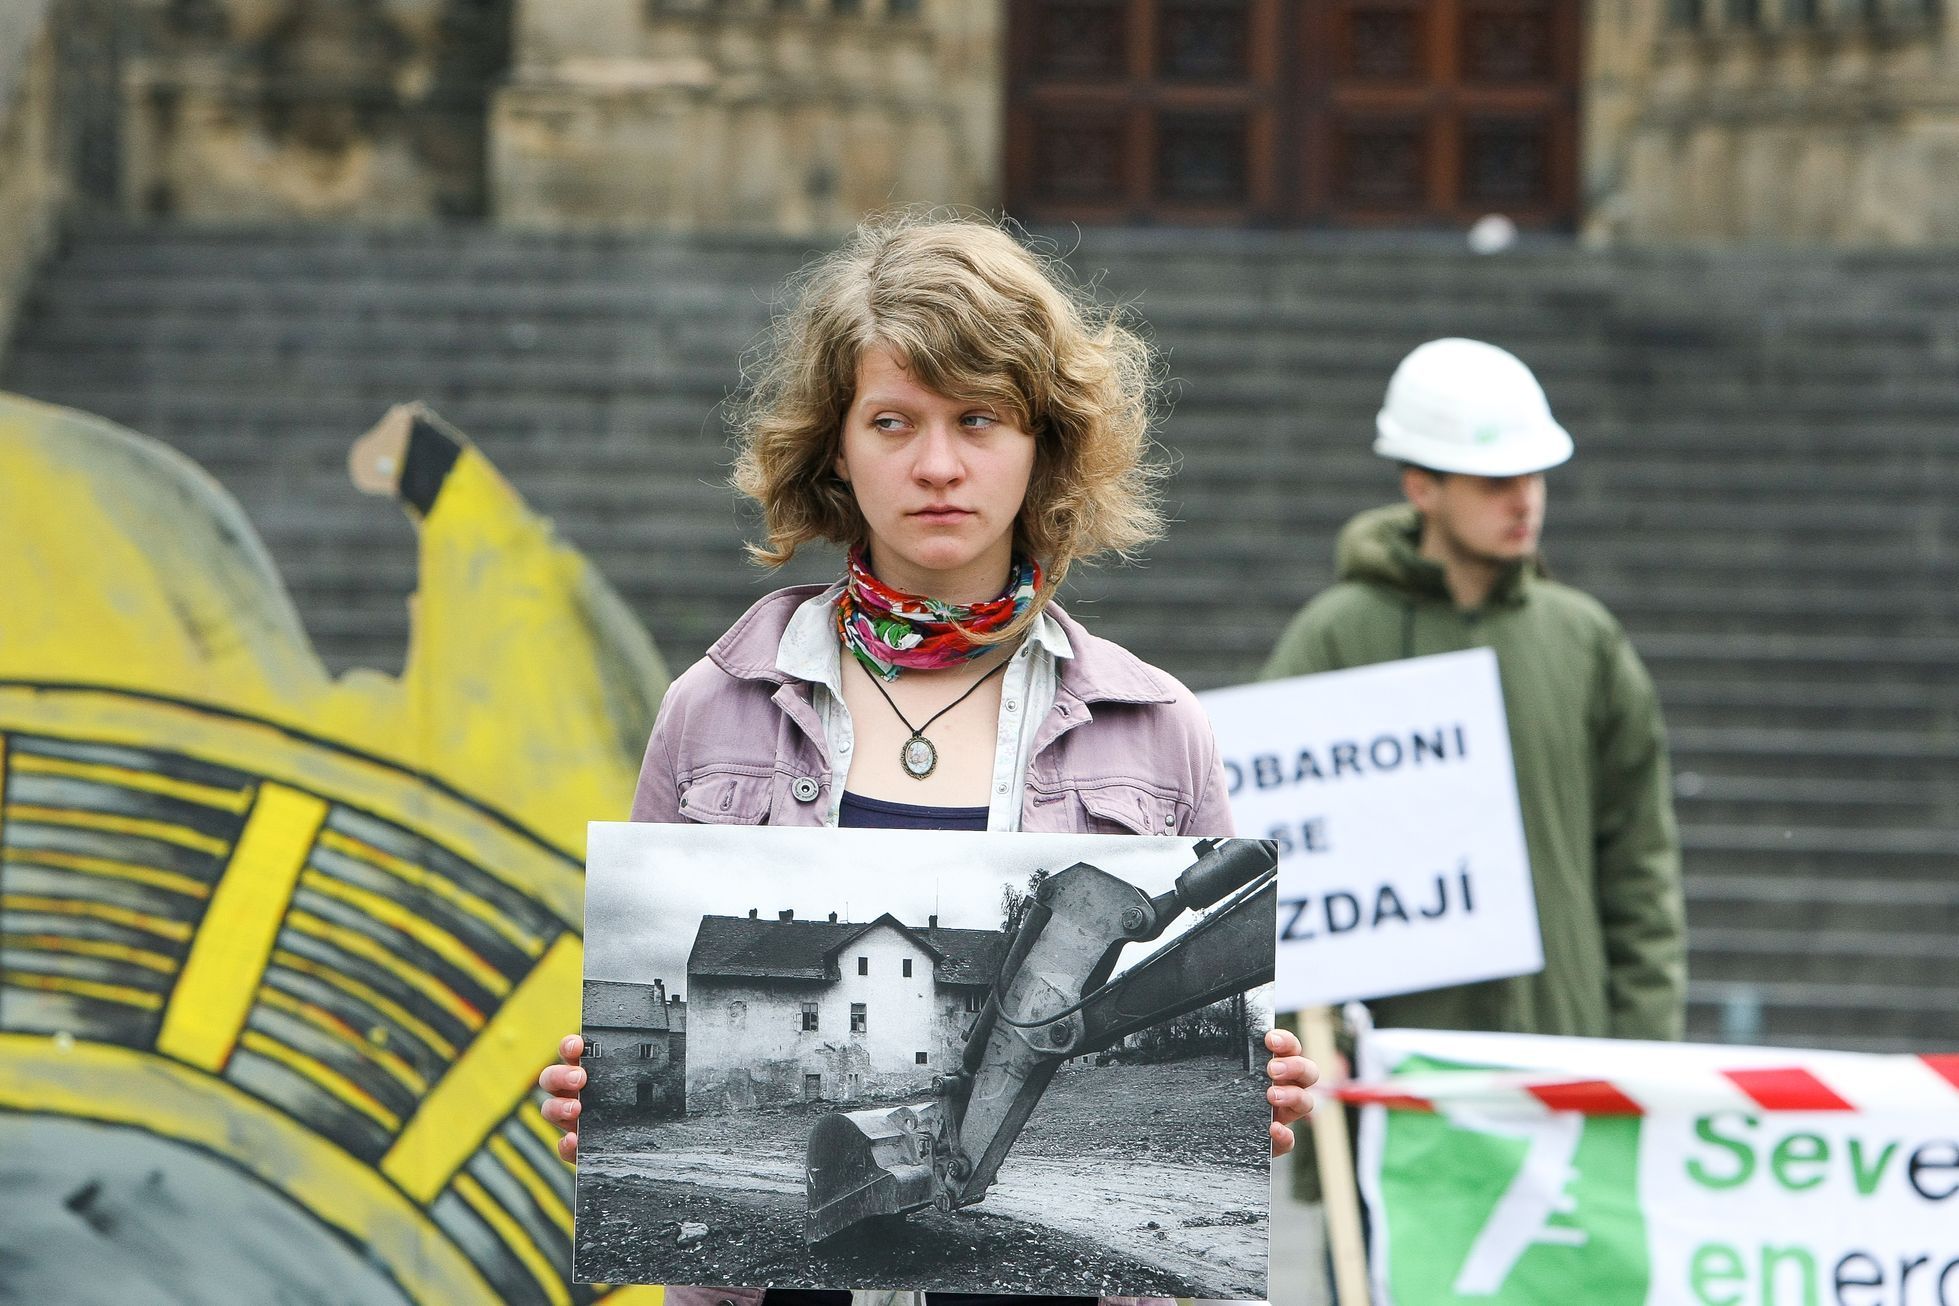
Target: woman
[{"x": 937, "y": 405}]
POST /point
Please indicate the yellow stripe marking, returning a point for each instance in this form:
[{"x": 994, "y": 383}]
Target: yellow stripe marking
[
  {"x": 638, "y": 1294},
  {"x": 81, "y": 988},
  {"x": 117, "y": 1086},
  {"x": 368, "y": 950},
  {"x": 143, "y": 957},
  {"x": 440, "y": 886},
  {"x": 328, "y": 1023},
  {"x": 397, "y": 917},
  {"x": 161, "y": 926},
  {"x": 170, "y": 881},
  {"x": 493, "y": 1075},
  {"x": 122, "y": 777},
  {"x": 373, "y": 997},
  {"x": 542, "y": 1193},
  {"x": 512, "y": 1233},
  {"x": 111, "y": 823},
  {"x": 326, "y": 1077},
  {"x": 227, "y": 961}
]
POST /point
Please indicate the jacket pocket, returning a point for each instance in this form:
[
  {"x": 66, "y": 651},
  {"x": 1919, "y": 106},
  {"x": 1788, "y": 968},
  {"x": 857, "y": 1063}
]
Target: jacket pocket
[
  {"x": 727, "y": 797},
  {"x": 1127, "y": 809}
]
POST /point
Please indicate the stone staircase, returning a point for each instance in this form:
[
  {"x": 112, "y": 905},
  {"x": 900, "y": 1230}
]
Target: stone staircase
[{"x": 1768, "y": 452}]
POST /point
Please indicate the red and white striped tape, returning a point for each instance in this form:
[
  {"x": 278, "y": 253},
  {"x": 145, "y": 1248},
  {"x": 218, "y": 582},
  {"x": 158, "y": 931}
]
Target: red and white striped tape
[{"x": 1911, "y": 1084}]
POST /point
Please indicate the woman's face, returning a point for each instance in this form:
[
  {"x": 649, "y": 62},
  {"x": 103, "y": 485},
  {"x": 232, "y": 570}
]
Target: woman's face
[{"x": 939, "y": 482}]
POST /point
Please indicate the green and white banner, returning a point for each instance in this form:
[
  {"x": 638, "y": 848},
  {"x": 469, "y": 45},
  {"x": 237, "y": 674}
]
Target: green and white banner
[{"x": 1687, "y": 1175}]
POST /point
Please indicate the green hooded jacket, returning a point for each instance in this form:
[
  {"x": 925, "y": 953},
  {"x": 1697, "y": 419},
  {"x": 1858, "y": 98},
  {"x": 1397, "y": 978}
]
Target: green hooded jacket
[{"x": 1592, "y": 779}]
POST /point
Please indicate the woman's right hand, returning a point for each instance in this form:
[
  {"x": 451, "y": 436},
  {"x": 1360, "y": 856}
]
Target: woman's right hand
[{"x": 562, "y": 1082}]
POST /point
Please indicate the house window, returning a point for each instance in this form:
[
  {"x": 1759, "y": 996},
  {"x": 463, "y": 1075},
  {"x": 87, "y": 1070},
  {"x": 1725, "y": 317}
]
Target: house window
[
  {"x": 975, "y": 999},
  {"x": 812, "y": 1087},
  {"x": 809, "y": 1015},
  {"x": 857, "y": 1018},
  {"x": 908, "y": 968},
  {"x": 591, "y": 1050},
  {"x": 863, "y": 965},
  {"x": 646, "y": 1052},
  {"x": 921, "y": 1059}
]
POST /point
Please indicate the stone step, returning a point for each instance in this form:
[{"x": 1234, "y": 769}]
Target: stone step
[
  {"x": 1766, "y": 455},
  {"x": 1860, "y": 1017}
]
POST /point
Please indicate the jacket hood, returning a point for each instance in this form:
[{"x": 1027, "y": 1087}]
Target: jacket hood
[{"x": 1380, "y": 546}]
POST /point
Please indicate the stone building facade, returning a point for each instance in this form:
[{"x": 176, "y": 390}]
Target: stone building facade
[
  {"x": 359, "y": 110},
  {"x": 787, "y": 116},
  {"x": 1773, "y": 121},
  {"x": 1627, "y": 121},
  {"x": 635, "y": 1050},
  {"x": 785, "y": 1010}
]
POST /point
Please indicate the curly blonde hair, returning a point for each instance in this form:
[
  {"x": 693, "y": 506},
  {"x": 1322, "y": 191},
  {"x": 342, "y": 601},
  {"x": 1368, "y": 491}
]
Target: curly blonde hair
[{"x": 976, "y": 316}]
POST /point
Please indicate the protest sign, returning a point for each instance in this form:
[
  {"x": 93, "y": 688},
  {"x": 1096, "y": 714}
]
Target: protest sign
[
  {"x": 1695, "y": 1175},
  {"x": 900, "y": 1074},
  {"x": 1390, "y": 792}
]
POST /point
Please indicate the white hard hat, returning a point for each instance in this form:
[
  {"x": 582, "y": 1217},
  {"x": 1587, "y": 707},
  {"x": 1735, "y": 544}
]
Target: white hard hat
[{"x": 1464, "y": 406}]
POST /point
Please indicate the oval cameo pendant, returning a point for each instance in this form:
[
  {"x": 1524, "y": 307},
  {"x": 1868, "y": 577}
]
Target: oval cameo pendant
[{"x": 918, "y": 757}]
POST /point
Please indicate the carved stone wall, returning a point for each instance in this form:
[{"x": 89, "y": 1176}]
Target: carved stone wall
[
  {"x": 1829, "y": 122},
  {"x": 371, "y": 110},
  {"x": 33, "y": 181},
  {"x": 788, "y": 116}
]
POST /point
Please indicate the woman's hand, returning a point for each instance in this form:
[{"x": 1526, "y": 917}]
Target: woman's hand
[
  {"x": 1291, "y": 1075},
  {"x": 563, "y": 1081}
]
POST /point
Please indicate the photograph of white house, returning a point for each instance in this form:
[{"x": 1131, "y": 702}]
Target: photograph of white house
[
  {"x": 948, "y": 1061},
  {"x": 786, "y": 1009}
]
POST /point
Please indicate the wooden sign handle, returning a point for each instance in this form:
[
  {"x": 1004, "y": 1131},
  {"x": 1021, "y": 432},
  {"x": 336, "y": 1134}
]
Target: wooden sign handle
[{"x": 1339, "y": 1193}]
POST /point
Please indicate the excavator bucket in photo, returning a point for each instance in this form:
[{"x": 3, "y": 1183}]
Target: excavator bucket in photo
[{"x": 861, "y": 1164}]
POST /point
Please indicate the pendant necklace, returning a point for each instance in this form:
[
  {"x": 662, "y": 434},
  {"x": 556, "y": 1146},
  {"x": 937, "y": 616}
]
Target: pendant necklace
[{"x": 917, "y": 755}]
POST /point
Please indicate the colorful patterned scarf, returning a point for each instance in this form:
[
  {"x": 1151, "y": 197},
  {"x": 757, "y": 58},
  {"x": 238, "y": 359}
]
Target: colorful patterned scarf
[{"x": 890, "y": 630}]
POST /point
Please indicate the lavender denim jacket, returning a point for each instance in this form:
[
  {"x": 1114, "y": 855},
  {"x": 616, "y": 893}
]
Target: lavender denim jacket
[{"x": 1124, "y": 750}]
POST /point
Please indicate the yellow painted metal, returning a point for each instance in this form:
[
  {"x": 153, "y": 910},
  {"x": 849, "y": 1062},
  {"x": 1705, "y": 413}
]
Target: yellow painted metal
[
  {"x": 385, "y": 910},
  {"x": 325, "y": 1077},
  {"x": 111, "y": 823},
  {"x": 236, "y": 801},
  {"x": 493, "y": 1076},
  {"x": 108, "y": 912},
  {"x": 108, "y": 867},
  {"x": 163, "y": 631},
  {"x": 439, "y": 886},
  {"x": 513, "y": 1236},
  {"x": 551, "y": 874},
  {"x": 541, "y": 1192},
  {"x": 221, "y": 976},
  {"x": 359, "y": 945},
  {"x": 120, "y": 1086},
  {"x": 373, "y": 997}
]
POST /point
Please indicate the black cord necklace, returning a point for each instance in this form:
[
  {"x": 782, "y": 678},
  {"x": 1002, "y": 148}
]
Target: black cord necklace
[{"x": 917, "y": 755}]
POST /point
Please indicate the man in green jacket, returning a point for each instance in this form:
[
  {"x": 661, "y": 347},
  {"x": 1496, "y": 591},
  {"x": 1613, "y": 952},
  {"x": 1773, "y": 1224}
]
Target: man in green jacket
[{"x": 1457, "y": 567}]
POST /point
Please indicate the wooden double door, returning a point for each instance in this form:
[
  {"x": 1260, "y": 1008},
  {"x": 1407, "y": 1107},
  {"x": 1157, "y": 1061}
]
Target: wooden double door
[{"x": 1337, "y": 113}]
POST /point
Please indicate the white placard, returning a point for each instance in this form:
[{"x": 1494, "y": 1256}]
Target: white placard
[{"x": 1391, "y": 794}]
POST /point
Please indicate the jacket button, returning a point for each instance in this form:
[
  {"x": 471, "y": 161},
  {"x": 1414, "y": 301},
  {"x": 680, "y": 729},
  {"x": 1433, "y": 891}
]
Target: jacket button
[{"x": 804, "y": 789}]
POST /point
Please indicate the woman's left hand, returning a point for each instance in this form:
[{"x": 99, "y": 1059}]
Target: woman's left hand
[{"x": 1291, "y": 1075}]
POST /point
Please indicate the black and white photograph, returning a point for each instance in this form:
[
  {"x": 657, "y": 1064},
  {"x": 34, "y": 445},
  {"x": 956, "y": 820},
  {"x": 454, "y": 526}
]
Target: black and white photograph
[{"x": 929, "y": 1060}]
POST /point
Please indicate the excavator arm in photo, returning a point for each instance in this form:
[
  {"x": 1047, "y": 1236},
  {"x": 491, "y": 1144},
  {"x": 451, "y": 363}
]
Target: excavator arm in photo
[{"x": 1054, "y": 999}]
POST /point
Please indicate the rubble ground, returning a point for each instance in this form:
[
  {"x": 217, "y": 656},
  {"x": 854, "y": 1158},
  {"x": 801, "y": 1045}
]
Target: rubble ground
[{"x": 1175, "y": 1119}]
